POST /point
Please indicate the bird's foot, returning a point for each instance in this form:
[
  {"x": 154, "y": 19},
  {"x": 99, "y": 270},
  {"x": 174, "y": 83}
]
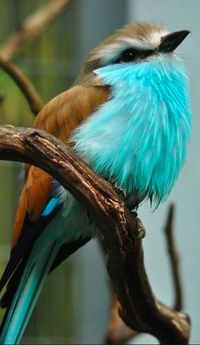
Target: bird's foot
[
  {"x": 131, "y": 202},
  {"x": 120, "y": 191}
]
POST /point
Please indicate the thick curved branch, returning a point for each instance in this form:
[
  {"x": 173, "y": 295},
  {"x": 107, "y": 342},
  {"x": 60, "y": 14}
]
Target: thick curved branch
[
  {"x": 120, "y": 230},
  {"x": 118, "y": 332},
  {"x": 32, "y": 27},
  {"x": 24, "y": 84}
]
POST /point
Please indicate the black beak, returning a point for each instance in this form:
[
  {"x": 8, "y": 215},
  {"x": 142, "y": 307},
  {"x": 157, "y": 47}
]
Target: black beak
[{"x": 171, "y": 41}]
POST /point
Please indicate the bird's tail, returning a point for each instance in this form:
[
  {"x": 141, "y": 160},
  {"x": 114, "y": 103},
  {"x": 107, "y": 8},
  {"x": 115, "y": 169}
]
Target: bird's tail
[{"x": 27, "y": 293}]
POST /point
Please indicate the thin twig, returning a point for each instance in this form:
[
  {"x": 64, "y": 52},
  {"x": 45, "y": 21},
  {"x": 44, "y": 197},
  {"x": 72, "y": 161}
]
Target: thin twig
[
  {"x": 24, "y": 84},
  {"x": 29, "y": 30},
  {"x": 174, "y": 259},
  {"x": 32, "y": 27},
  {"x": 120, "y": 231}
]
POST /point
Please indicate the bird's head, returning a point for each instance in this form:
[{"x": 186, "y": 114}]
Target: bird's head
[
  {"x": 143, "y": 127},
  {"x": 133, "y": 43}
]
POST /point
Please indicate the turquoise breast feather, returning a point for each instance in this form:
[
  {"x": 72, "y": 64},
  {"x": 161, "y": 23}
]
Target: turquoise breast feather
[{"x": 140, "y": 135}]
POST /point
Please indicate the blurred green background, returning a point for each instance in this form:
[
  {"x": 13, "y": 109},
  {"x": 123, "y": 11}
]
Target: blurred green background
[
  {"x": 51, "y": 61},
  {"x": 73, "y": 306}
]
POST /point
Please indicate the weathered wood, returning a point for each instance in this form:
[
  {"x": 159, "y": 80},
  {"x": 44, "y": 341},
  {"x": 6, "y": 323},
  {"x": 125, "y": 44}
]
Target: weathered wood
[{"x": 120, "y": 231}]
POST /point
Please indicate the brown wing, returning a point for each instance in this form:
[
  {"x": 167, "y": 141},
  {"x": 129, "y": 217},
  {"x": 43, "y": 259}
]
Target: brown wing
[{"x": 59, "y": 117}]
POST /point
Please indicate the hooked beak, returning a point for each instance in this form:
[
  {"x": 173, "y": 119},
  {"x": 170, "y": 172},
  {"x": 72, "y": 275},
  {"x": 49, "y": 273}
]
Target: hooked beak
[{"x": 171, "y": 41}]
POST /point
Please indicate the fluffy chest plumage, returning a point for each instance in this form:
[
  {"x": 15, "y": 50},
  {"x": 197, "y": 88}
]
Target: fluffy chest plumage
[{"x": 139, "y": 136}]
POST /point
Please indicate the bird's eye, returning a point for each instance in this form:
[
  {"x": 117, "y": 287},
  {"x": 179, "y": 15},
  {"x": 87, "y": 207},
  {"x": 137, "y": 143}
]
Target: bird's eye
[
  {"x": 128, "y": 55},
  {"x": 132, "y": 54}
]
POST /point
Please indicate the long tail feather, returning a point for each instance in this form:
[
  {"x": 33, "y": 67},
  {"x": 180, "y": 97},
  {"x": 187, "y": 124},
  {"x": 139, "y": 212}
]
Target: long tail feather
[
  {"x": 25, "y": 244},
  {"x": 33, "y": 278}
]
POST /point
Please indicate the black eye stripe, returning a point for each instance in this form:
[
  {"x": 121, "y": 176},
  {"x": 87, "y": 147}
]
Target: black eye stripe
[
  {"x": 132, "y": 54},
  {"x": 128, "y": 55}
]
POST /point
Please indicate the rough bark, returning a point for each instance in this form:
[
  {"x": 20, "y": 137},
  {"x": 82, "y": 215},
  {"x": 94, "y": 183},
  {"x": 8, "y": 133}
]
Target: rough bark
[{"x": 120, "y": 231}]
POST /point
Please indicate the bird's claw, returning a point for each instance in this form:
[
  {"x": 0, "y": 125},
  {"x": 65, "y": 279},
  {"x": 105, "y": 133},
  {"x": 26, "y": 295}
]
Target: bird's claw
[
  {"x": 131, "y": 203},
  {"x": 130, "y": 200},
  {"x": 120, "y": 191}
]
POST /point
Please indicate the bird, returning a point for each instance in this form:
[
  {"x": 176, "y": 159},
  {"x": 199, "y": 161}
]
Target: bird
[{"x": 128, "y": 116}]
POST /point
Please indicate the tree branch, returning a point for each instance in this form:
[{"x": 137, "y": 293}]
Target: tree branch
[
  {"x": 174, "y": 259},
  {"x": 29, "y": 29},
  {"x": 117, "y": 331},
  {"x": 120, "y": 230},
  {"x": 32, "y": 27},
  {"x": 24, "y": 84}
]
